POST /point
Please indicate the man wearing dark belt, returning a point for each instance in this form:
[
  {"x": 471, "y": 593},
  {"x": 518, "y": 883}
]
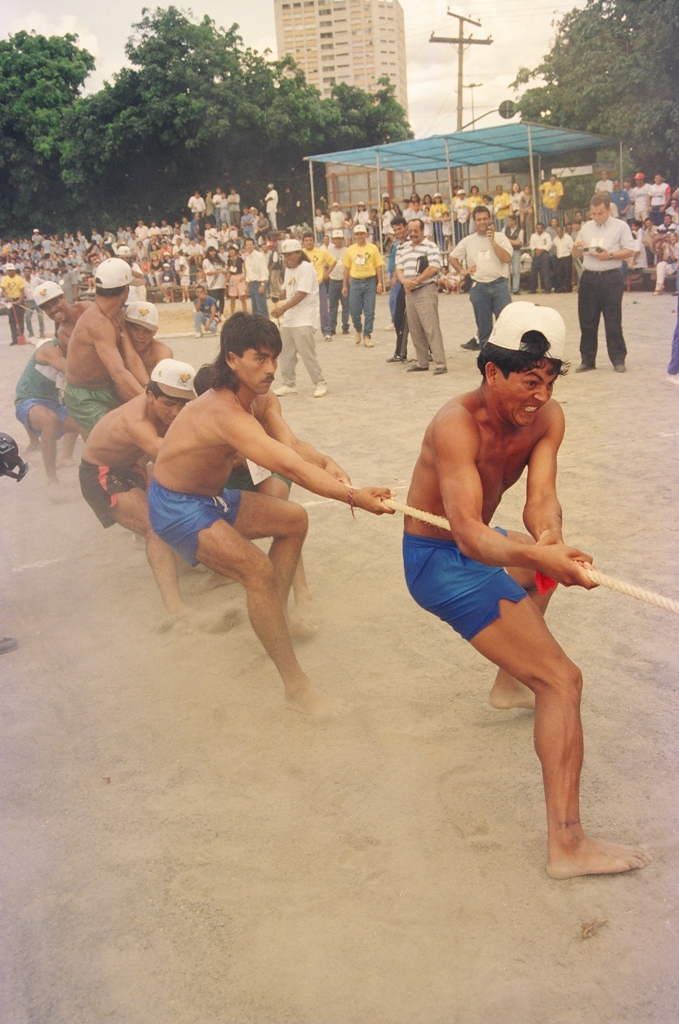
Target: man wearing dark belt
[{"x": 604, "y": 243}]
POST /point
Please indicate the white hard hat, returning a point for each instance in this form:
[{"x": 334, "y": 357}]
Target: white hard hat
[
  {"x": 174, "y": 378},
  {"x": 46, "y": 291},
  {"x": 143, "y": 313},
  {"x": 518, "y": 318},
  {"x": 113, "y": 273}
]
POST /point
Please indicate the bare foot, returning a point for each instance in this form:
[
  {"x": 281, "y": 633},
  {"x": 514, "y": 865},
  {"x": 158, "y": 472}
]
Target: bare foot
[
  {"x": 315, "y": 704},
  {"x": 595, "y": 857},
  {"x": 56, "y": 492},
  {"x": 300, "y": 627},
  {"x": 208, "y": 622},
  {"x": 65, "y": 462},
  {"x": 213, "y": 581},
  {"x": 508, "y": 693}
]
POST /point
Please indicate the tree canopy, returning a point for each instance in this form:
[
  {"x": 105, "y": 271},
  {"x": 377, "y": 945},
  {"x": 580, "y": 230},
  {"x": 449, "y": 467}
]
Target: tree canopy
[
  {"x": 614, "y": 69},
  {"x": 195, "y": 109},
  {"x": 40, "y": 79}
]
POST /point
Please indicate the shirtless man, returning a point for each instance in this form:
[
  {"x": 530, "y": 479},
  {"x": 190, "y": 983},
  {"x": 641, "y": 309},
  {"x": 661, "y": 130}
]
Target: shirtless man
[
  {"x": 475, "y": 448},
  {"x": 141, "y": 324},
  {"x": 97, "y": 379},
  {"x": 190, "y": 508},
  {"x": 113, "y": 480},
  {"x": 49, "y": 296}
]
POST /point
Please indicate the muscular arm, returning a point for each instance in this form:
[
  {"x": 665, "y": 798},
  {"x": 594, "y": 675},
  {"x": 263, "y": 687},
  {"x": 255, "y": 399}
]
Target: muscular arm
[
  {"x": 542, "y": 512},
  {"x": 124, "y": 382},
  {"x": 50, "y": 355},
  {"x": 276, "y": 427},
  {"x": 144, "y": 435},
  {"x": 456, "y": 443}
]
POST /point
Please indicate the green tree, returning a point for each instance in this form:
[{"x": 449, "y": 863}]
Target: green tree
[
  {"x": 614, "y": 69},
  {"x": 197, "y": 109},
  {"x": 40, "y": 79}
]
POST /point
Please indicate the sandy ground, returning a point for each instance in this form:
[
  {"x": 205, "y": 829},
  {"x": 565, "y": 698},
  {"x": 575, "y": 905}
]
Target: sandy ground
[{"x": 177, "y": 848}]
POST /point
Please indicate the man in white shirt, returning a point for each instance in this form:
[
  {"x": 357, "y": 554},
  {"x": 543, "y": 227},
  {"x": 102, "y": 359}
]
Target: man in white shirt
[
  {"x": 233, "y": 206},
  {"x": 214, "y": 276},
  {"x": 461, "y": 213},
  {"x": 338, "y": 251},
  {"x": 563, "y": 248},
  {"x": 604, "y": 242},
  {"x": 604, "y": 184},
  {"x": 640, "y": 197},
  {"x": 659, "y": 194},
  {"x": 196, "y": 205},
  {"x": 271, "y": 200},
  {"x": 487, "y": 255},
  {"x": 141, "y": 232},
  {"x": 336, "y": 218},
  {"x": 300, "y": 319},
  {"x": 540, "y": 246},
  {"x": 256, "y": 276}
]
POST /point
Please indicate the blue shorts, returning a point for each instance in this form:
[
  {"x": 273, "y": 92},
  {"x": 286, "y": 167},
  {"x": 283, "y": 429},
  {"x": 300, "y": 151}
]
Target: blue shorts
[
  {"x": 464, "y": 593},
  {"x": 178, "y": 518},
  {"x": 22, "y": 410}
]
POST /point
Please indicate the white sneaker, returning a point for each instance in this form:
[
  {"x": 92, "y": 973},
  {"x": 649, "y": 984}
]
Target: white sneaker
[
  {"x": 672, "y": 379},
  {"x": 328, "y": 337},
  {"x": 321, "y": 389},
  {"x": 284, "y": 389}
]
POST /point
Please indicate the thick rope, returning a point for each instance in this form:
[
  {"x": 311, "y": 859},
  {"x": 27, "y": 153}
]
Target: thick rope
[{"x": 596, "y": 577}]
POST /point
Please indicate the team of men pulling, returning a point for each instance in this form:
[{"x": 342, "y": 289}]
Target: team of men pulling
[{"x": 222, "y": 466}]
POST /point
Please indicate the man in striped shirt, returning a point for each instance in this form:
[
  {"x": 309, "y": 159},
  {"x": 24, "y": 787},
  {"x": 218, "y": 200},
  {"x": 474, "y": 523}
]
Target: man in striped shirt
[{"x": 418, "y": 262}]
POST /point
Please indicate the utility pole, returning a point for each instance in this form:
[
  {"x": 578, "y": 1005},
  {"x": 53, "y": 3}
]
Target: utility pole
[{"x": 461, "y": 43}]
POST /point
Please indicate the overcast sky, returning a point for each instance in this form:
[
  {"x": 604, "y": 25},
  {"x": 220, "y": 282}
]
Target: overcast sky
[{"x": 521, "y": 29}]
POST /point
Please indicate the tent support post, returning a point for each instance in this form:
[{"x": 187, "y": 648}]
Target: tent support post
[
  {"x": 621, "y": 167},
  {"x": 379, "y": 199},
  {"x": 532, "y": 178},
  {"x": 450, "y": 176},
  {"x": 313, "y": 197}
]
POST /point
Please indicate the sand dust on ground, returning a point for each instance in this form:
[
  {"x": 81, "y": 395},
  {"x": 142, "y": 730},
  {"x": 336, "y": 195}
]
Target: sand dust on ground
[{"x": 178, "y": 848}]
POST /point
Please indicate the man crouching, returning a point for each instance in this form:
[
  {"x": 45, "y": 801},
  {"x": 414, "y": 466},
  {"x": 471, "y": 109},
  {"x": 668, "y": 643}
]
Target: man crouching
[{"x": 190, "y": 508}]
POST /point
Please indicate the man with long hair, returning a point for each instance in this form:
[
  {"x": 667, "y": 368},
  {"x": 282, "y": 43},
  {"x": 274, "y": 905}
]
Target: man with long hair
[{"x": 191, "y": 509}]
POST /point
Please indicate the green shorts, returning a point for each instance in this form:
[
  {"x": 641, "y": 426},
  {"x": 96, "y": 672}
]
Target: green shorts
[
  {"x": 87, "y": 405},
  {"x": 240, "y": 480}
]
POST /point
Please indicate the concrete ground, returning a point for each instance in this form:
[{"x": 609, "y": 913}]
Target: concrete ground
[{"x": 177, "y": 848}]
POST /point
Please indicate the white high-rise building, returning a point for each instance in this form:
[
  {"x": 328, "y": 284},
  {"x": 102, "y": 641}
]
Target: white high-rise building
[{"x": 353, "y": 41}]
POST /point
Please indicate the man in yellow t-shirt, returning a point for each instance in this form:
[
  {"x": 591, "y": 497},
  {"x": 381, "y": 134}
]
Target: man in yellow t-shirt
[
  {"x": 363, "y": 265},
  {"x": 501, "y": 204},
  {"x": 551, "y": 193},
  {"x": 13, "y": 287},
  {"x": 322, "y": 262},
  {"x": 436, "y": 211}
]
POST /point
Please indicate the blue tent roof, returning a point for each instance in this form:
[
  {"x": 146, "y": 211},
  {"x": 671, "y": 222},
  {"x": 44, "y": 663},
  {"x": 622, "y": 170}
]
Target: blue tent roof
[{"x": 468, "y": 148}]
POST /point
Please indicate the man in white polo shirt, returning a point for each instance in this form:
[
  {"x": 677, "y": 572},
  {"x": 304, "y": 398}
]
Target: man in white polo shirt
[
  {"x": 488, "y": 255},
  {"x": 300, "y": 319},
  {"x": 418, "y": 262},
  {"x": 605, "y": 242}
]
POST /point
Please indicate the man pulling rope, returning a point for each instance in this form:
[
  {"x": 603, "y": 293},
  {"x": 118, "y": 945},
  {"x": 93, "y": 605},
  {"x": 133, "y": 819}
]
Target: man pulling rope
[{"x": 475, "y": 448}]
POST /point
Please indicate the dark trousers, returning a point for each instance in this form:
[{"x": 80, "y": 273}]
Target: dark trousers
[
  {"x": 541, "y": 266},
  {"x": 335, "y": 297},
  {"x": 15, "y": 315},
  {"x": 401, "y": 323},
  {"x": 601, "y": 293},
  {"x": 564, "y": 274}
]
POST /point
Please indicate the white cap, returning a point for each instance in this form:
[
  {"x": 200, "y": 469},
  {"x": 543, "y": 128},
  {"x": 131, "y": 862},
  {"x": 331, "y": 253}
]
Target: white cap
[
  {"x": 385, "y": 195},
  {"x": 337, "y": 233},
  {"x": 10, "y": 266},
  {"x": 518, "y": 318},
  {"x": 291, "y": 245},
  {"x": 143, "y": 313},
  {"x": 335, "y": 203},
  {"x": 437, "y": 194},
  {"x": 124, "y": 250},
  {"x": 45, "y": 292},
  {"x": 360, "y": 228},
  {"x": 461, "y": 192},
  {"x": 113, "y": 273},
  {"x": 174, "y": 378}
]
